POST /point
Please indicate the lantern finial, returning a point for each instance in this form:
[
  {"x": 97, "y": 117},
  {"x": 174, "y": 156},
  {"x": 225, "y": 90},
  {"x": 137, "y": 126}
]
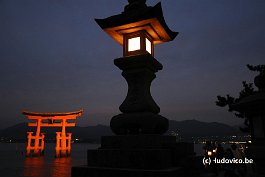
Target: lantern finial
[{"x": 135, "y": 5}]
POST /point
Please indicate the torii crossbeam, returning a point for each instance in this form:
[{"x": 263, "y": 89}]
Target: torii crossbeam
[{"x": 63, "y": 139}]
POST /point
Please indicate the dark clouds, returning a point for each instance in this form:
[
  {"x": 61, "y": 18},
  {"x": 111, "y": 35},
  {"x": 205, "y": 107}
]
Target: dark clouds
[{"x": 55, "y": 58}]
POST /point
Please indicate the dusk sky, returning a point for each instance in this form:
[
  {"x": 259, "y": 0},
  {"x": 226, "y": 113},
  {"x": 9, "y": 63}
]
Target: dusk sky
[{"x": 55, "y": 58}]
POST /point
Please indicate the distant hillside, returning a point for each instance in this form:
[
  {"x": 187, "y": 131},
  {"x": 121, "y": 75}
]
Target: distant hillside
[
  {"x": 194, "y": 128},
  {"x": 187, "y": 129}
]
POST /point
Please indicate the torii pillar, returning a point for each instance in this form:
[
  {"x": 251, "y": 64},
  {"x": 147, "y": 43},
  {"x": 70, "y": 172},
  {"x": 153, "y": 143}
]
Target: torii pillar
[{"x": 63, "y": 139}]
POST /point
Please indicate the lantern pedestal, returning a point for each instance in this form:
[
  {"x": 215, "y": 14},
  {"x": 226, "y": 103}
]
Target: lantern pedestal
[{"x": 137, "y": 155}]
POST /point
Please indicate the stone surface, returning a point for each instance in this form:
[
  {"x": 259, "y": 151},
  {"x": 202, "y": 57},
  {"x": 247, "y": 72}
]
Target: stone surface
[
  {"x": 139, "y": 123},
  {"x": 140, "y": 112},
  {"x": 139, "y": 72},
  {"x": 137, "y": 155}
]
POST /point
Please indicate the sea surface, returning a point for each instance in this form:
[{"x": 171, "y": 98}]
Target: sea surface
[{"x": 13, "y": 162}]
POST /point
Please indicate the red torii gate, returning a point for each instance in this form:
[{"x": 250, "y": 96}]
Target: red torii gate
[{"x": 63, "y": 140}]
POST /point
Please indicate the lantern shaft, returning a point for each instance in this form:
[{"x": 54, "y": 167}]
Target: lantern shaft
[{"x": 139, "y": 110}]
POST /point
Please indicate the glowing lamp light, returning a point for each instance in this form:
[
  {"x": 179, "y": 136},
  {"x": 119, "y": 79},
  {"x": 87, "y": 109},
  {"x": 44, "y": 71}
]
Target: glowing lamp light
[
  {"x": 214, "y": 150},
  {"x": 134, "y": 44},
  {"x": 209, "y": 153},
  {"x": 148, "y": 45},
  {"x": 138, "y": 30},
  {"x": 137, "y": 43}
]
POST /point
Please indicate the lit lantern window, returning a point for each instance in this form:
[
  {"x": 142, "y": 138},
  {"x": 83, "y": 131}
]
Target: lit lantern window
[
  {"x": 137, "y": 43},
  {"x": 148, "y": 45},
  {"x": 134, "y": 44}
]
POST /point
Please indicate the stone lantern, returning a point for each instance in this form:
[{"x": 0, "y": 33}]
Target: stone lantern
[
  {"x": 139, "y": 147},
  {"x": 137, "y": 29}
]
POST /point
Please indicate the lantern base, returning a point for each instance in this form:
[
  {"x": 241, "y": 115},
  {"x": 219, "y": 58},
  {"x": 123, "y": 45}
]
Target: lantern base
[{"x": 138, "y": 155}]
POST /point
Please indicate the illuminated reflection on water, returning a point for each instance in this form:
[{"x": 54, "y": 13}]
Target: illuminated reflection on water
[
  {"x": 62, "y": 167},
  {"x": 38, "y": 166},
  {"x": 13, "y": 162},
  {"x": 34, "y": 166}
]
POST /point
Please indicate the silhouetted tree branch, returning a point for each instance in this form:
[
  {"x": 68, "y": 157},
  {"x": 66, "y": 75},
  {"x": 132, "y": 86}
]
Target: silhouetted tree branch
[
  {"x": 247, "y": 90},
  {"x": 259, "y": 68}
]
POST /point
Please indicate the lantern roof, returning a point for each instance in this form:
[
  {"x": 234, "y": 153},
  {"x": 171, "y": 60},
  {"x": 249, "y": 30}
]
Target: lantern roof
[{"x": 136, "y": 18}]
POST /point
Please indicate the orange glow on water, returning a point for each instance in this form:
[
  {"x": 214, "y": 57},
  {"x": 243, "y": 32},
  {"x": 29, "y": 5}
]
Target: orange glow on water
[
  {"x": 61, "y": 167},
  {"x": 32, "y": 166},
  {"x": 39, "y": 167}
]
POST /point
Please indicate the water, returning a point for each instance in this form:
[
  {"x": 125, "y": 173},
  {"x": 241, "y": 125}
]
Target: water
[{"x": 13, "y": 162}]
